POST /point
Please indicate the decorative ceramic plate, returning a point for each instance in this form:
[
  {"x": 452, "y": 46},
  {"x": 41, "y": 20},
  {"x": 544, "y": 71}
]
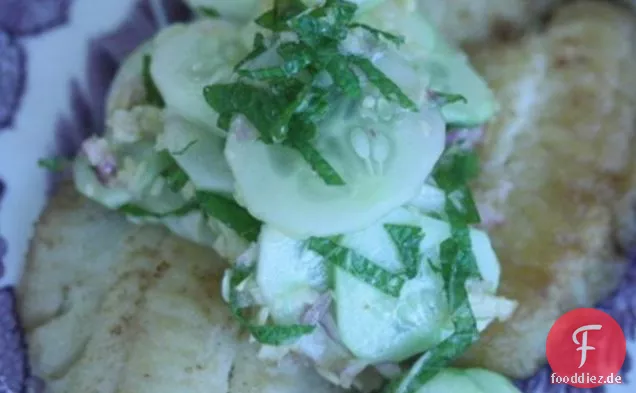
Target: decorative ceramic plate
[{"x": 57, "y": 58}]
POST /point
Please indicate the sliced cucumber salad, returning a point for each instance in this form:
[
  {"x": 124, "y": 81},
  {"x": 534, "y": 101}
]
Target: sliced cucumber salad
[
  {"x": 187, "y": 58},
  {"x": 449, "y": 70},
  {"x": 309, "y": 148},
  {"x": 384, "y": 164},
  {"x": 375, "y": 322}
]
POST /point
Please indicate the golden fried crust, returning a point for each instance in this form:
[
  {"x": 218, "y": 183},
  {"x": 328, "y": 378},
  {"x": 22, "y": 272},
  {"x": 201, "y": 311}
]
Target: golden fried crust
[
  {"x": 468, "y": 21},
  {"x": 555, "y": 161},
  {"x": 111, "y": 307}
]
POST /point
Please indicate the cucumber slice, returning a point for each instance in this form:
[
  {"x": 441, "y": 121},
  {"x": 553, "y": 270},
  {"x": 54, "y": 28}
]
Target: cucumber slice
[
  {"x": 187, "y": 58},
  {"x": 448, "y": 70},
  {"x": 127, "y": 89},
  {"x": 450, "y": 380},
  {"x": 377, "y": 327},
  {"x": 429, "y": 200},
  {"x": 455, "y": 74},
  {"x": 89, "y": 185},
  {"x": 288, "y": 277},
  {"x": 490, "y": 382},
  {"x": 199, "y": 153},
  {"x": 137, "y": 181},
  {"x": 468, "y": 381},
  {"x": 384, "y": 156}
]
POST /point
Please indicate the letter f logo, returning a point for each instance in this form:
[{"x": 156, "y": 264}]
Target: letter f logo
[{"x": 584, "y": 347}]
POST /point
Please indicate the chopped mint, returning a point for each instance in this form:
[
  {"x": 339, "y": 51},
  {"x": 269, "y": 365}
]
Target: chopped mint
[
  {"x": 260, "y": 106},
  {"x": 387, "y": 87},
  {"x": 358, "y": 266},
  {"x": 153, "y": 96},
  {"x": 174, "y": 175},
  {"x": 318, "y": 104},
  {"x": 212, "y": 205},
  {"x": 327, "y": 23},
  {"x": 279, "y": 334},
  {"x": 259, "y": 49},
  {"x": 276, "y": 19},
  {"x": 379, "y": 34},
  {"x": 447, "y": 98},
  {"x": 55, "y": 164},
  {"x": 271, "y": 98},
  {"x": 139, "y": 211},
  {"x": 270, "y": 114},
  {"x": 273, "y": 335},
  {"x": 296, "y": 57},
  {"x": 296, "y": 54},
  {"x": 407, "y": 240},
  {"x": 229, "y": 213},
  {"x": 318, "y": 163},
  {"x": 457, "y": 265},
  {"x": 343, "y": 75},
  {"x": 453, "y": 172},
  {"x": 185, "y": 148}
]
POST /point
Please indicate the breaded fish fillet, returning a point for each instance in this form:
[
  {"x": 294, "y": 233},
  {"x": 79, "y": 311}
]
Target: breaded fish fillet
[
  {"x": 468, "y": 21},
  {"x": 555, "y": 161},
  {"x": 113, "y": 307}
]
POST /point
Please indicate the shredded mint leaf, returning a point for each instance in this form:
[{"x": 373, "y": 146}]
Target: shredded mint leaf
[
  {"x": 296, "y": 52},
  {"x": 279, "y": 334},
  {"x": 259, "y": 49},
  {"x": 458, "y": 265},
  {"x": 431, "y": 363},
  {"x": 453, "y": 172},
  {"x": 269, "y": 72},
  {"x": 271, "y": 98},
  {"x": 407, "y": 240},
  {"x": 224, "y": 121},
  {"x": 213, "y": 205},
  {"x": 260, "y": 106},
  {"x": 359, "y": 266},
  {"x": 456, "y": 168},
  {"x": 185, "y": 148},
  {"x": 318, "y": 163},
  {"x": 464, "y": 205},
  {"x": 229, "y": 213},
  {"x": 139, "y": 211},
  {"x": 387, "y": 87},
  {"x": 329, "y": 22},
  {"x": 296, "y": 57},
  {"x": 153, "y": 96},
  {"x": 273, "y": 335},
  {"x": 447, "y": 98},
  {"x": 56, "y": 164},
  {"x": 344, "y": 77},
  {"x": 175, "y": 177},
  {"x": 270, "y": 114},
  {"x": 318, "y": 104},
  {"x": 276, "y": 18},
  {"x": 379, "y": 34},
  {"x": 209, "y": 12}
]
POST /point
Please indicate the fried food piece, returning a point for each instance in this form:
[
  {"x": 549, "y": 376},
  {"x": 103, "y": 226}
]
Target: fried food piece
[
  {"x": 468, "y": 21},
  {"x": 555, "y": 161},
  {"x": 113, "y": 307}
]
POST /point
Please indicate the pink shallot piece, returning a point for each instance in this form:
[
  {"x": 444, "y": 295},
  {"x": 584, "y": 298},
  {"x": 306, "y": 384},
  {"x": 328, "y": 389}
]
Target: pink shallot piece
[{"x": 101, "y": 158}]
